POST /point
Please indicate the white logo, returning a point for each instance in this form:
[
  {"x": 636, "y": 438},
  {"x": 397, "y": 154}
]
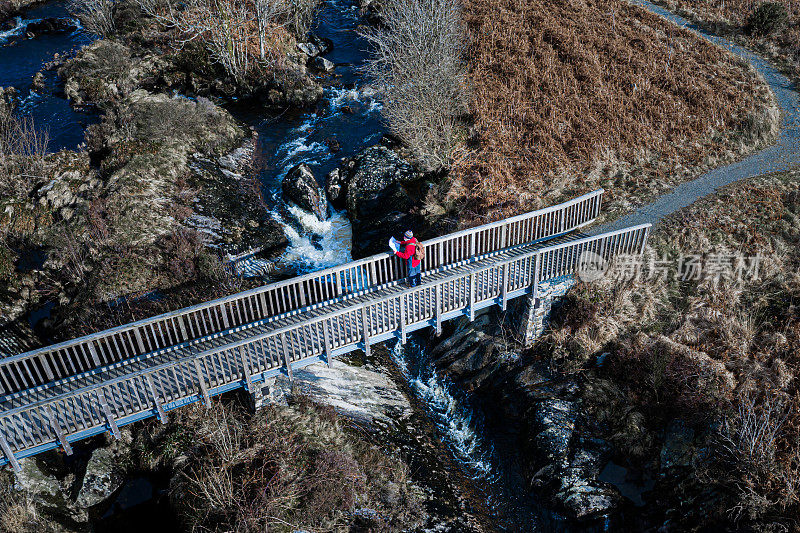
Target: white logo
[{"x": 591, "y": 266}]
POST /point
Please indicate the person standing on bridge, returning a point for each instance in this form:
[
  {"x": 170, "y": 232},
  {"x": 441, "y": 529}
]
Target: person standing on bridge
[{"x": 413, "y": 252}]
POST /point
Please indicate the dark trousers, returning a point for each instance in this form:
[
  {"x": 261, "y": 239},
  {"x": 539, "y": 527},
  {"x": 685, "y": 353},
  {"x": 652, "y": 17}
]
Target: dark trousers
[{"x": 413, "y": 280}]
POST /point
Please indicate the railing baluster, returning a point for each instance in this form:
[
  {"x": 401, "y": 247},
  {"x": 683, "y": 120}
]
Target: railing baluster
[{"x": 112, "y": 422}]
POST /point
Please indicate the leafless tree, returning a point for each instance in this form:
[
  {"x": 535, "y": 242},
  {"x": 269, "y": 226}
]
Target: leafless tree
[
  {"x": 22, "y": 152},
  {"x": 420, "y": 68},
  {"x": 97, "y": 16},
  {"x": 238, "y": 34}
]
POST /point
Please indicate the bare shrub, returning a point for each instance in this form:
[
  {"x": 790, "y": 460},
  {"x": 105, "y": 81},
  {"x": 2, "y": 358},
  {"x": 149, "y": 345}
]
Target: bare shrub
[
  {"x": 242, "y": 37},
  {"x": 419, "y": 65},
  {"x": 285, "y": 468},
  {"x": 22, "y": 151},
  {"x": 754, "y": 438},
  {"x": 72, "y": 253},
  {"x": 767, "y": 18},
  {"x": 97, "y": 16}
]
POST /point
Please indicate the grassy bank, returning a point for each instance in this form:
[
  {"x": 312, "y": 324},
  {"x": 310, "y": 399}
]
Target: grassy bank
[
  {"x": 719, "y": 353},
  {"x": 568, "y": 96},
  {"x": 770, "y": 28}
]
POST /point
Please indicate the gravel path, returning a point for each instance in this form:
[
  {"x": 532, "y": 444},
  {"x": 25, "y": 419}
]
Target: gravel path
[{"x": 783, "y": 155}]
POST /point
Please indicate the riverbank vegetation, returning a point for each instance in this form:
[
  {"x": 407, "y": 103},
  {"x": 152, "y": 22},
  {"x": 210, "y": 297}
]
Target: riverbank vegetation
[
  {"x": 287, "y": 469},
  {"x": 295, "y": 467},
  {"x": 572, "y": 96},
  {"x": 716, "y": 352},
  {"x": 252, "y": 43},
  {"x": 420, "y": 67}
]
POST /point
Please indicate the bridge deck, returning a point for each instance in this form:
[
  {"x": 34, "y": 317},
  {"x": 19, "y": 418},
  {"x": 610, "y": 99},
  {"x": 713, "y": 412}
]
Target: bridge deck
[
  {"x": 102, "y": 399},
  {"x": 164, "y": 332},
  {"x": 152, "y": 360},
  {"x": 60, "y": 394}
]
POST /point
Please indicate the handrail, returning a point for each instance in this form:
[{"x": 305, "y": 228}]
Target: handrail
[
  {"x": 639, "y": 232},
  {"x": 165, "y": 331},
  {"x": 142, "y": 393}
]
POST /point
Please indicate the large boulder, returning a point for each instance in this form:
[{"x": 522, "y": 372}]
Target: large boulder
[
  {"x": 323, "y": 44},
  {"x": 300, "y": 187},
  {"x": 322, "y": 64},
  {"x": 375, "y": 186},
  {"x": 372, "y": 171},
  {"x": 50, "y": 25},
  {"x": 105, "y": 473},
  {"x": 586, "y": 499},
  {"x": 69, "y": 489}
]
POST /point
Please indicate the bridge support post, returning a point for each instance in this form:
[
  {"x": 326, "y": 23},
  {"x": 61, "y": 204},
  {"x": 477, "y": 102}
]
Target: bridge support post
[
  {"x": 535, "y": 309},
  {"x": 12, "y": 460},
  {"x": 365, "y": 333},
  {"x": 274, "y": 390}
]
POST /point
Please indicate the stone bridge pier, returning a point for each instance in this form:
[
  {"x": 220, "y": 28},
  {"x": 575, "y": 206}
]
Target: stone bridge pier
[{"x": 533, "y": 315}]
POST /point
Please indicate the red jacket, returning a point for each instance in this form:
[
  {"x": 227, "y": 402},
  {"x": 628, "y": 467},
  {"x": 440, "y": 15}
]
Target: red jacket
[{"x": 409, "y": 251}]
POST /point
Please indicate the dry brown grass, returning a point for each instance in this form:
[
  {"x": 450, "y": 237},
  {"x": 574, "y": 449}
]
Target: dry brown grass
[
  {"x": 731, "y": 18},
  {"x": 704, "y": 351},
  {"x": 287, "y": 469},
  {"x": 18, "y": 511},
  {"x": 572, "y": 94}
]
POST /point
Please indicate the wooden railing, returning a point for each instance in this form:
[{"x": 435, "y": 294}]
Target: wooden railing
[
  {"x": 142, "y": 393},
  {"x": 176, "y": 329}
]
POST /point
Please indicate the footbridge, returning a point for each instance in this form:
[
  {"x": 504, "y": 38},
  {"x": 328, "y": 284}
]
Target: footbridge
[{"x": 60, "y": 394}]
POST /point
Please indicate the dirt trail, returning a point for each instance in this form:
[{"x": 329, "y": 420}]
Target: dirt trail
[{"x": 781, "y": 156}]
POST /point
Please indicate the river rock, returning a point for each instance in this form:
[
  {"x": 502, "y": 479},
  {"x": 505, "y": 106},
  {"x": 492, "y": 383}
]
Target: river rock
[
  {"x": 309, "y": 49},
  {"x": 322, "y": 64},
  {"x": 556, "y": 420},
  {"x": 50, "y": 25},
  {"x": 323, "y": 44},
  {"x": 586, "y": 500},
  {"x": 302, "y": 188},
  {"x": 69, "y": 489},
  {"x": 678, "y": 445},
  {"x": 335, "y": 183},
  {"x": 376, "y": 188},
  {"x": 372, "y": 171},
  {"x": 9, "y": 99},
  {"x": 38, "y": 83},
  {"x": 105, "y": 472},
  {"x": 368, "y": 397}
]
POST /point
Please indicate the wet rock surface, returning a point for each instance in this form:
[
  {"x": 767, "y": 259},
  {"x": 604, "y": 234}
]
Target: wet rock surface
[
  {"x": 366, "y": 396},
  {"x": 563, "y": 461},
  {"x": 381, "y": 192},
  {"x": 50, "y": 25},
  {"x": 301, "y": 187}
]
